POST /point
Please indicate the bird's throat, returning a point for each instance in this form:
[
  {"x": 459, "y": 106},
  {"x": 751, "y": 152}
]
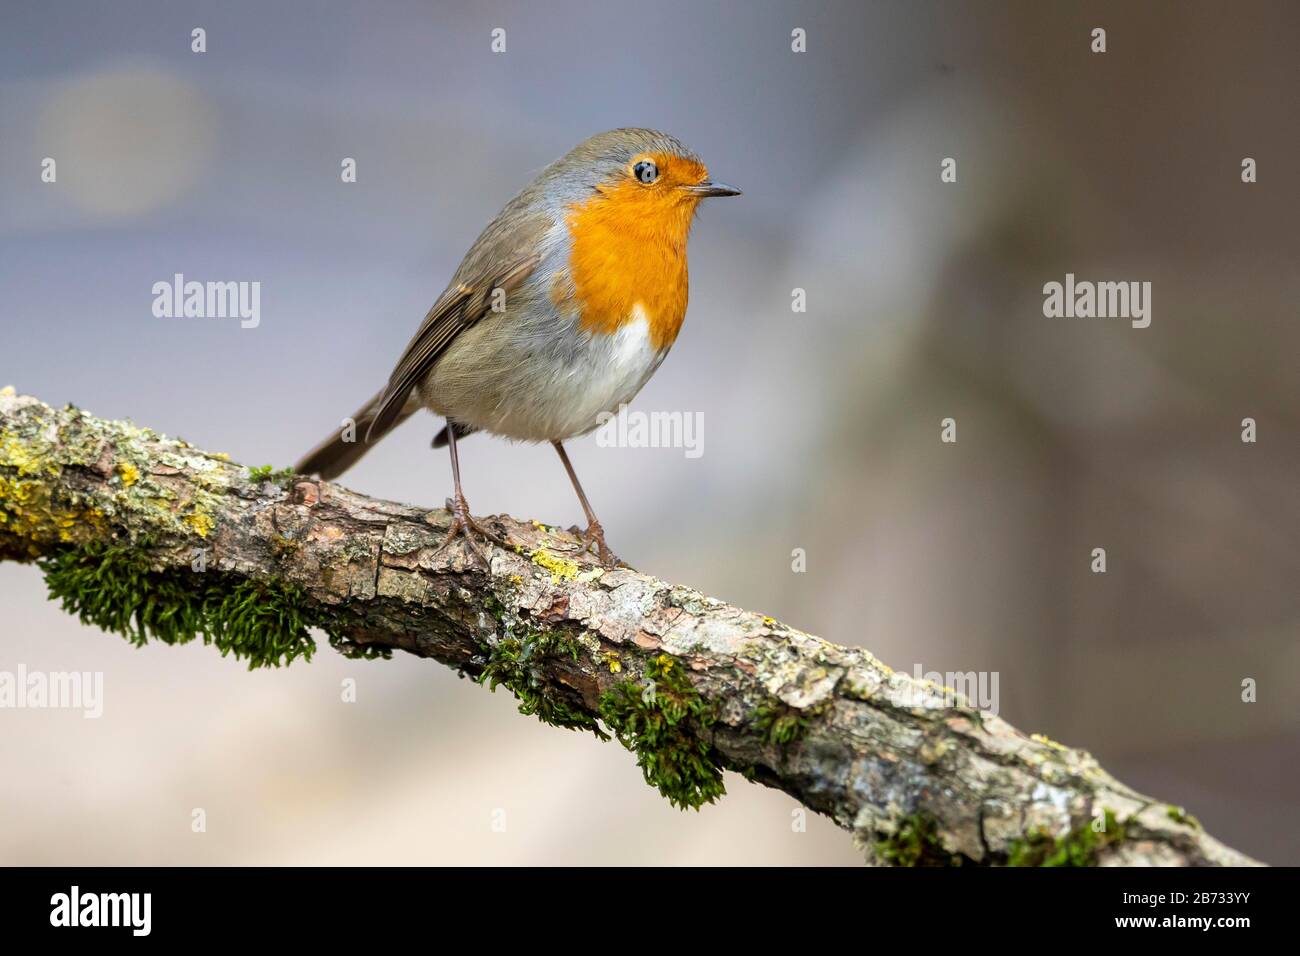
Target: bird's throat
[{"x": 629, "y": 250}]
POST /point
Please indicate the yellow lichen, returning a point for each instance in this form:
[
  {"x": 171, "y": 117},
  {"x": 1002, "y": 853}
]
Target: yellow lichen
[
  {"x": 208, "y": 480},
  {"x": 1044, "y": 739},
  {"x": 614, "y": 664},
  {"x": 130, "y": 474},
  {"x": 27, "y": 508},
  {"x": 22, "y": 458},
  {"x": 199, "y": 522},
  {"x": 562, "y": 569},
  {"x": 31, "y": 511}
]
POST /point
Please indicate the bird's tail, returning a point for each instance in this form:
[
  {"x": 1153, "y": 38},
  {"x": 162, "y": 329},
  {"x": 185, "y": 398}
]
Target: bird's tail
[
  {"x": 440, "y": 440},
  {"x": 348, "y": 444}
]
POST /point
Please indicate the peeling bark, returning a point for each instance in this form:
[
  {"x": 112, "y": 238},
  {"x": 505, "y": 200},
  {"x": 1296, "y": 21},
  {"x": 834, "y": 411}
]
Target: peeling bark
[{"x": 911, "y": 773}]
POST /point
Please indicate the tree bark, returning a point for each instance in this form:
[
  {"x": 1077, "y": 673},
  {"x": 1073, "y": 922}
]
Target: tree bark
[{"x": 694, "y": 685}]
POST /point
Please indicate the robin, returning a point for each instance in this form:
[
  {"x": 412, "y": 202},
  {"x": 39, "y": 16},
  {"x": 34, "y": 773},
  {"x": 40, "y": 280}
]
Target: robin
[{"x": 561, "y": 310}]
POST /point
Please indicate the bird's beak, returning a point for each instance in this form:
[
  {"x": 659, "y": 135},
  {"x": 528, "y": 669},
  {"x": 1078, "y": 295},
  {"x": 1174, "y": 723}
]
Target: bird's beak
[{"x": 708, "y": 188}]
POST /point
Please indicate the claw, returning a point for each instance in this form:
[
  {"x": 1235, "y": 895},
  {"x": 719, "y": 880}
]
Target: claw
[
  {"x": 464, "y": 525},
  {"x": 595, "y": 534}
]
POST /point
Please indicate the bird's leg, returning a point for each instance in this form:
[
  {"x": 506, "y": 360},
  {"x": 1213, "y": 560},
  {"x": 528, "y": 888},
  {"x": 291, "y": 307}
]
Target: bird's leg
[
  {"x": 595, "y": 533},
  {"x": 461, "y": 521}
]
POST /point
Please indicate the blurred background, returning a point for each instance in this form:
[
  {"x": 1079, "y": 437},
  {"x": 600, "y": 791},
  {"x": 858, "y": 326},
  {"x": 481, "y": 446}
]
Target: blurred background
[{"x": 821, "y": 429}]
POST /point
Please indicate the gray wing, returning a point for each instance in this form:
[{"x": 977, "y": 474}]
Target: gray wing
[{"x": 502, "y": 258}]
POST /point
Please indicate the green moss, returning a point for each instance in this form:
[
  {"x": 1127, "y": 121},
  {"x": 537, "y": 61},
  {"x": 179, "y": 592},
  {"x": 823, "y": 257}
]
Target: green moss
[
  {"x": 516, "y": 662},
  {"x": 916, "y": 843},
  {"x": 494, "y": 607},
  {"x": 265, "y": 473},
  {"x": 779, "y": 723},
  {"x": 1080, "y": 847},
  {"x": 283, "y": 547},
  {"x": 664, "y": 721},
  {"x": 1179, "y": 815},
  {"x": 116, "y": 588},
  {"x": 359, "y": 652}
]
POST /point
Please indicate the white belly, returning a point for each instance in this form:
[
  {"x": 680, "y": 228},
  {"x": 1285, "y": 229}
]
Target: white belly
[{"x": 541, "y": 384}]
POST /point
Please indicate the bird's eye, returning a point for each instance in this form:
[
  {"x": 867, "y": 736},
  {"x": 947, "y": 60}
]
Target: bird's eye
[{"x": 645, "y": 171}]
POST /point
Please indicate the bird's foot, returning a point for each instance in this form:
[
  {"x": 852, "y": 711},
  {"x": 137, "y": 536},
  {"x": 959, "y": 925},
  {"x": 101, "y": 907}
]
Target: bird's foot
[
  {"x": 464, "y": 525},
  {"x": 595, "y": 535}
]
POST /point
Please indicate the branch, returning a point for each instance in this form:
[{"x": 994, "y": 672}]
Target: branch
[{"x": 153, "y": 538}]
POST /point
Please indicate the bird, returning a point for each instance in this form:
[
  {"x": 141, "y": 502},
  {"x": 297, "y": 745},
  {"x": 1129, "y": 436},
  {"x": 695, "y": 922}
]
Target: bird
[{"x": 561, "y": 310}]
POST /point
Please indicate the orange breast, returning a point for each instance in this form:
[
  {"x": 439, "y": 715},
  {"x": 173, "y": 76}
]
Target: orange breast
[{"x": 629, "y": 249}]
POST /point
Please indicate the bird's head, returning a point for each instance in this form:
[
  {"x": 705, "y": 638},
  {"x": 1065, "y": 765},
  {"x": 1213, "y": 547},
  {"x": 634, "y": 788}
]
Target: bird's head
[{"x": 644, "y": 175}]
